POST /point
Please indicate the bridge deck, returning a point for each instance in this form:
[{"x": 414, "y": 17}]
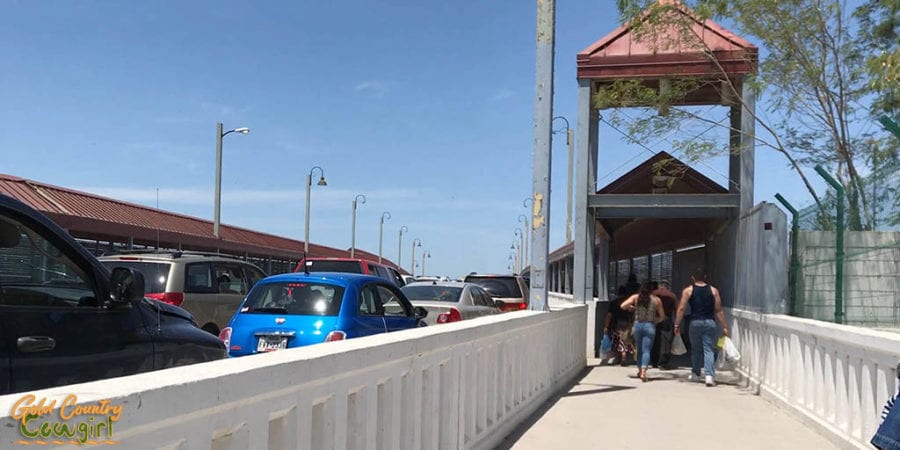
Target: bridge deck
[{"x": 612, "y": 409}]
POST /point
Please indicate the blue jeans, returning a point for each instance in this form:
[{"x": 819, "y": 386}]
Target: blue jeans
[
  {"x": 644, "y": 332},
  {"x": 703, "y": 334}
]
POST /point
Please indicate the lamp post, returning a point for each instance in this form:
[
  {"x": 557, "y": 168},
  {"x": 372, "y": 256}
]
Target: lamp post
[
  {"x": 518, "y": 251},
  {"x": 570, "y": 142},
  {"x": 523, "y": 258},
  {"x": 400, "y": 245},
  {"x": 321, "y": 182},
  {"x": 381, "y": 231},
  {"x": 219, "y": 136},
  {"x": 353, "y": 232},
  {"x": 530, "y": 217},
  {"x": 425, "y": 254},
  {"x": 412, "y": 257},
  {"x": 524, "y": 220}
]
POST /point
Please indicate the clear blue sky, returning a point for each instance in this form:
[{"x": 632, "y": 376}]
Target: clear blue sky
[{"x": 424, "y": 107}]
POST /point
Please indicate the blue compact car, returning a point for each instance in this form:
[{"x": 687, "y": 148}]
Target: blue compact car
[{"x": 297, "y": 309}]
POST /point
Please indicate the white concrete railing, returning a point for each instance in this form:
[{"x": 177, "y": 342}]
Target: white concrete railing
[
  {"x": 837, "y": 377},
  {"x": 460, "y": 385}
]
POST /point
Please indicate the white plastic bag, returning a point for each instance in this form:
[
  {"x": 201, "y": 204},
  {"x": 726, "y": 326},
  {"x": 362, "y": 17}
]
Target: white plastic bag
[
  {"x": 732, "y": 355},
  {"x": 678, "y": 347}
]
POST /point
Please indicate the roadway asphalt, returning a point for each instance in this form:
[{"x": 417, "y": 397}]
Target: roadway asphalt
[{"x": 610, "y": 408}]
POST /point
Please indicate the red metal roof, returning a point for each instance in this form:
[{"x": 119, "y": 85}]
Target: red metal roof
[
  {"x": 91, "y": 216},
  {"x": 664, "y": 53}
]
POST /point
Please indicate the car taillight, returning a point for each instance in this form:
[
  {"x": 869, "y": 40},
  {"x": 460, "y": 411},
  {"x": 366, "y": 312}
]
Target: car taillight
[
  {"x": 513, "y": 306},
  {"x": 336, "y": 335},
  {"x": 172, "y": 298},
  {"x": 450, "y": 316},
  {"x": 225, "y": 336}
]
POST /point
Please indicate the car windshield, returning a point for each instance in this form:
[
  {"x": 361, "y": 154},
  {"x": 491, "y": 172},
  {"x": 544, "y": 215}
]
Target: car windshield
[
  {"x": 498, "y": 287},
  {"x": 432, "y": 293},
  {"x": 326, "y": 265},
  {"x": 155, "y": 273},
  {"x": 293, "y": 298}
]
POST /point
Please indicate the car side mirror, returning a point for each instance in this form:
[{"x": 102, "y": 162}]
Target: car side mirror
[
  {"x": 126, "y": 285},
  {"x": 421, "y": 312}
]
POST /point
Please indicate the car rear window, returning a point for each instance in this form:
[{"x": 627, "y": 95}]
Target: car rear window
[
  {"x": 301, "y": 299},
  {"x": 505, "y": 287},
  {"x": 333, "y": 266},
  {"x": 156, "y": 274},
  {"x": 432, "y": 293}
]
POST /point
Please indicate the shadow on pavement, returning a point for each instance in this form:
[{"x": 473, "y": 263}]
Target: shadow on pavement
[{"x": 566, "y": 391}]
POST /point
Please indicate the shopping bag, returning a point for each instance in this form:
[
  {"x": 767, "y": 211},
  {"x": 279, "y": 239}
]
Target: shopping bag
[
  {"x": 721, "y": 363},
  {"x": 605, "y": 344},
  {"x": 721, "y": 342},
  {"x": 732, "y": 355},
  {"x": 678, "y": 347}
]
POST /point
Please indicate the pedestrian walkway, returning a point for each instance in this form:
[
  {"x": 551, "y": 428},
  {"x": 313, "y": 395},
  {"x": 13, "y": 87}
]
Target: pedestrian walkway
[{"x": 610, "y": 408}]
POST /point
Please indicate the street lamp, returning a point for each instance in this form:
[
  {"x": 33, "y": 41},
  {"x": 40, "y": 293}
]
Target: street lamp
[
  {"x": 518, "y": 250},
  {"x": 321, "y": 182},
  {"x": 400, "y": 245},
  {"x": 412, "y": 259},
  {"x": 570, "y": 142},
  {"x": 522, "y": 256},
  {"x": 524, "y": 219},
  {"x": 353, "y": 238},
  {"x": 219, "y": 136},
  {"x": 425, "y": 254},
  {"x": 381, "y": 231}
]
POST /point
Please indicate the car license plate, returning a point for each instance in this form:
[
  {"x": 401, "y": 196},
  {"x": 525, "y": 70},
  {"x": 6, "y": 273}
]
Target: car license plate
[{"x": 271, "y": 343}]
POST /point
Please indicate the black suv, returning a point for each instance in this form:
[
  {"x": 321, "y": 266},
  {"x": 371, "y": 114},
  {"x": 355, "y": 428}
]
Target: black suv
[{"x": 65, "y": 318}]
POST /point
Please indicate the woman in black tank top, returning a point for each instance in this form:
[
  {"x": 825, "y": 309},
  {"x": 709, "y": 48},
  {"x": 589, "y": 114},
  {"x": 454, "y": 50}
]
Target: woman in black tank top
[{"x": 706, "y": 309}]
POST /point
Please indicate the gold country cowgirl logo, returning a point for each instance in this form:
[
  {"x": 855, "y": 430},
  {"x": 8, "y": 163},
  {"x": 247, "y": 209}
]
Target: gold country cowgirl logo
[{"x": 42, "y": 422}]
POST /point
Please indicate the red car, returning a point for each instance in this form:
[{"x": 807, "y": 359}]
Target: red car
[{"x": 350, "y": 265}]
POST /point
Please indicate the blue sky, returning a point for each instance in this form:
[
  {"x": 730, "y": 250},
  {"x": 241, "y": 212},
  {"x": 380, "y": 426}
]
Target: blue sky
[{"x": 426, "y": 108}]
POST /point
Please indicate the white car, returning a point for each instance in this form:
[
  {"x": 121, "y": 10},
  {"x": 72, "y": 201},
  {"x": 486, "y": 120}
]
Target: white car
[{"x": 449, "y": 301}]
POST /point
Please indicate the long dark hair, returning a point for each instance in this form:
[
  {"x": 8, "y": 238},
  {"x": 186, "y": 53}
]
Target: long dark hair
[{"x": 644, "y": 294}]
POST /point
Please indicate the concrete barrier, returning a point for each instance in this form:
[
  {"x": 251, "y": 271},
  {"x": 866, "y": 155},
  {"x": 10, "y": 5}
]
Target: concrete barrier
[
  {"x": 837, "y": 377},
  {"x": 461, "y": 385}
]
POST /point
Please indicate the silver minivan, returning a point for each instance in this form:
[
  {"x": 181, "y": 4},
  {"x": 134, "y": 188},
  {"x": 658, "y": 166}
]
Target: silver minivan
[{"x": 208, "y": 285}]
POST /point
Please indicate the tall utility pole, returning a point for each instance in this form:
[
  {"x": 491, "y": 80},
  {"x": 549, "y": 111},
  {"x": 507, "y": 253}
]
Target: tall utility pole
[
  {"x": 541, "y": 167},
  {"x": 353, "y": 227},
  {"x": 412, "y": 256},
  {"x": 384, "y": 215},
  {"x": 400, "y": 247}
]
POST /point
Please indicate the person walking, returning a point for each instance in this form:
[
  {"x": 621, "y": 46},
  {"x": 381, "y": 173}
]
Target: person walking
[
  {"x": 706, "y": 308},
  {"x": 662, "y": 344},
  {"x": 618, "y": 327},
  {"x": 648, "y": 311}
]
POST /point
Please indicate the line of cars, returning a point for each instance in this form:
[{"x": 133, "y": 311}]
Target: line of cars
[{"x": 68, "y": 317}]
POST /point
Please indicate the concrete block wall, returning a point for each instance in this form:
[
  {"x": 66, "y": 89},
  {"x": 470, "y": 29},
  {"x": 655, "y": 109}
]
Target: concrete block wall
[
  {"x": 461, "y": 385},
  {"x": 836, "y": 377}
]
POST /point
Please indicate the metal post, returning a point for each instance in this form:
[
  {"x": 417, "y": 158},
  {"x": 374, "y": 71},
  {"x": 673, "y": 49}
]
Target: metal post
[
  {"x": 424, "y": 254},
  {"x": 353, "y": 228},
  {"x": 400, "y": 246},
  {"x": 306, "y": 219},
  {"x": 795, "y": 258},
  {"x": 541, "y": 166},
  {"x": 570, "y": 141},
  {"x": 838, "y": 244},
  {"x": 381, "y": 232},
  {"x": 216, "y": 215},
  {"x": 412, "y": 257}
]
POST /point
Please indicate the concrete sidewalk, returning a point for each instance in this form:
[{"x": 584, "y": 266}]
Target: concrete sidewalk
[{"x": 610, "y": 408}]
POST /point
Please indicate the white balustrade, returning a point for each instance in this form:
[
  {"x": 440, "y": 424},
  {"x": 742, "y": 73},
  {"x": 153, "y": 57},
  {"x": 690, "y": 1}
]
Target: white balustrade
[
  {"x": 838, "y": 377},
  {"x": 460, "y": 385}
]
